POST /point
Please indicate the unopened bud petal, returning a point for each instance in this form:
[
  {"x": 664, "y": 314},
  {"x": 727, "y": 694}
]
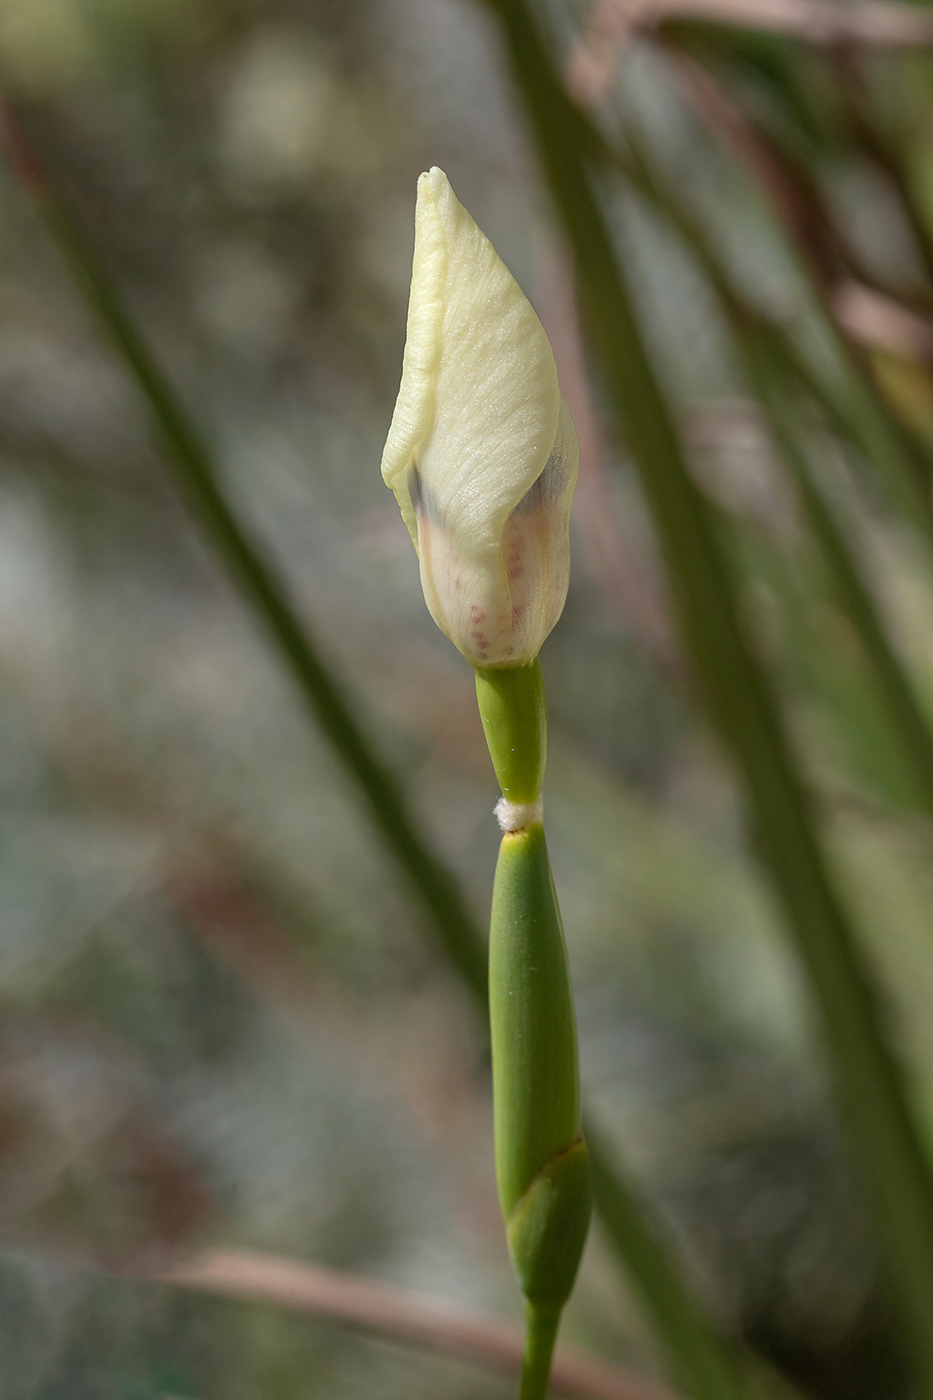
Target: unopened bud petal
[{"x": 482, "y": 453}]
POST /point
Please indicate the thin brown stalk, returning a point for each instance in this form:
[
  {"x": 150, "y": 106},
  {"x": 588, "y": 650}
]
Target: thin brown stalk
[
  {"x": 788, "y": 188},
  {"x": 824, "y": 251},
  {"x": 398, "y": 1313},
  {"x": 830, "y": 257},
  {"x": 876, "y": 321},
  {"x": 612, "y": 23}
]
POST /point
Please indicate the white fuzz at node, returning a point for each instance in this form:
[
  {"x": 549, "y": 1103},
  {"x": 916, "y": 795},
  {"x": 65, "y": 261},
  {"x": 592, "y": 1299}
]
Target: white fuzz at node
[{"x": 515, "y": 816}]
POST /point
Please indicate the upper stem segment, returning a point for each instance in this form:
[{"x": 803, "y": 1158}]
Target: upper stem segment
[{"x": 513, "y": 709}]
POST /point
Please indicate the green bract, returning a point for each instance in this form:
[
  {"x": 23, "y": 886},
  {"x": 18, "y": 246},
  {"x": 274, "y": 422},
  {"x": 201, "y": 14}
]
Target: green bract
[
  {"x": 482, "y": 453},
  {"x": 541, "y": 1161}
]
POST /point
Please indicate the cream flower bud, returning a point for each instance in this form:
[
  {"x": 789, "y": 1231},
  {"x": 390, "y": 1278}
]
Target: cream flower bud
[{"x": 482, "y": 453}]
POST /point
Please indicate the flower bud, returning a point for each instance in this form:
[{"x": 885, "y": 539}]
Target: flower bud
[{"x": 482, "y": 453}]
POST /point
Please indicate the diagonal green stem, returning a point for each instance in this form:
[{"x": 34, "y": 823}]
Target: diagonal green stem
[
  {"x": 848, "y": 395},
  {"x": 769, "y": 356},
  {"x": 738, "y": 699},
  {"x": 904, "y": 713},
  {"x": 258, "y": 578},
  {"x": 703, "y": 1370},
  {"x": 884, "y": 150},
  {"x": 896, "y": 451},
  {"x": 692, "y": 1340}
]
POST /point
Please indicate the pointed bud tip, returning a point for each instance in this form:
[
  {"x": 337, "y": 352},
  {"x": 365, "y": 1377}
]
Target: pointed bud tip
[
  {"x": 481, "y": 452},
  {"x": 432, "y": 182}
]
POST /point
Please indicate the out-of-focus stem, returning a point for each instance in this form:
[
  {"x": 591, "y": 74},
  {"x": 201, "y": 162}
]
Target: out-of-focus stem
[
  {"x": 256, "y": 575},
  {"x": 851, "y": 404},
  {"x": 738, "y": 698},
  {"x": 882, "y": 150},
  {"x": 854, "y": 596},
  {"x": 770, "y": 357},
  {"x": 641, "y": 1248},
  {"x": 892, "y": 447}
]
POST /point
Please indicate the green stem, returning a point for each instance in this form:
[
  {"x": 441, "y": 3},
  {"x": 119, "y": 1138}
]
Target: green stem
[
  {"x": 513, "y": 708},
  {"x": 542, "y": 1165},
  {"x": 850, "y": 399},
  {"x": 768, "y": 354},
  {"x": 703, "y": 1369},
  {"x": 876, "y": 1112},
  {"x": 904, "y": 713},
  {"x": 451, "y": 916},
  {"x": 892, "y": 446},
  {"x": 541, "y": 1326}
]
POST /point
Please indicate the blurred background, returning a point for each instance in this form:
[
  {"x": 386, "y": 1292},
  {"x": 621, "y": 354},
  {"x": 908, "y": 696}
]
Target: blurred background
[{"x": 224, "y": 1017}]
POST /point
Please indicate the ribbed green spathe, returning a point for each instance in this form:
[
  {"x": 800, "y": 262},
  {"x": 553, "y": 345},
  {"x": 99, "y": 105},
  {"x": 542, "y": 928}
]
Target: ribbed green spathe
[{"x": 541, "y": 1164}]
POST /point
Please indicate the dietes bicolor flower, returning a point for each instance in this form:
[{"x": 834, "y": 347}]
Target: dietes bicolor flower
[{"x": 482, "y": 453}]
